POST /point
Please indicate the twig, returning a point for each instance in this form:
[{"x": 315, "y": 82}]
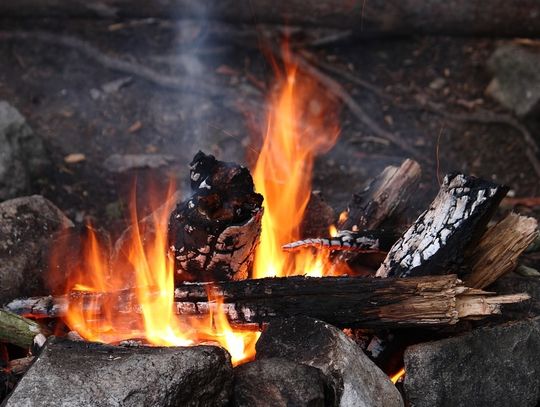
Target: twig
[
  {"x": 485, "y": 117},
  {"x": 132, "y": 68},
  {"x": 339, "y": 91}
]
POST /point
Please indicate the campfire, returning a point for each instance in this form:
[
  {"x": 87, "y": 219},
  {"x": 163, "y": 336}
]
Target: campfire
[{"x": 250, "y": 286}]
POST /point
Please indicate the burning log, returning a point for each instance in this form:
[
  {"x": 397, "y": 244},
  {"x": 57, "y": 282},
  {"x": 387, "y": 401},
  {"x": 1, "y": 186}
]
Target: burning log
[
  {"x": 346, "y": 302},
  {"x": 17, "y": 330},
  {"x": 437, "y": 241},
  {"x": 214, "y": 234},
  {"x": 370, "y": 208},
  {"x": 499, "y": 249}
]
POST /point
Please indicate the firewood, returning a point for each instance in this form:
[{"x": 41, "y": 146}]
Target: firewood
[
  {"x": 437, "y": 240},
  {"x": 378, "y": 202},
  {"x": 499, "y": 249},
  {"x": 18, "y": 330},
  {"x": 346, "y": 302},
  {"x": 213, "y": 235}
]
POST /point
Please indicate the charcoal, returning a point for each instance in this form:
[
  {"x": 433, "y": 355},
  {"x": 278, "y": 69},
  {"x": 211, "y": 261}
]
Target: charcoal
[
  {"x": 22, "y": 154},
  {"x": 280, "y": 382},
  {"x": 27, "y": 226},
  {"x": 213, "y": 235},
  {"x": 89, "y": 374},
  {"x": 356, "y": 380},
  {"x": 492, "y": 366}
]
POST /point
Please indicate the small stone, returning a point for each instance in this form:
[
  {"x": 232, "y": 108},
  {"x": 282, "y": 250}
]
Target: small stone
[
  {"x": 74, "y": 158},
  {"x": 356, "y": 380},
  {"x": 116, "y": 85},
  {"x": 437, "y": 83},
  {"x": 493, "y": 366},
  {"x": 89, "y": 374},
  {"x": 279, "y": 382}
]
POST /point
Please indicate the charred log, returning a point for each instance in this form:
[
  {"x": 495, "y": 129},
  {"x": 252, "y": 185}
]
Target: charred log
[
  {"x": 382, "y": 197},
  {"x": 214, "y": 234},
  {"x": 346, "y": 302},
  {"x": 438, "y": 239}
]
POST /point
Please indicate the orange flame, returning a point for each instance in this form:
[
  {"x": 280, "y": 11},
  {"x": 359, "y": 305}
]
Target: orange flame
[
  {"x": 301, "y": 124},
  {"x": 144, "y": 277}
]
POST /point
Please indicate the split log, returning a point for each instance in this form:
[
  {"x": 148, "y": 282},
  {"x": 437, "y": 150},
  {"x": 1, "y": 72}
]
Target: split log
[
  {"x": 437, "y": 240},
  {"x": 17, "y": 330},
  {"x": 378, "y": 202},
  {"x": 458, "y": 17},
  {"x": 498, "y": 251},
  {"x": 346, "y": 302},
  {"x": 213, "y": 235}
]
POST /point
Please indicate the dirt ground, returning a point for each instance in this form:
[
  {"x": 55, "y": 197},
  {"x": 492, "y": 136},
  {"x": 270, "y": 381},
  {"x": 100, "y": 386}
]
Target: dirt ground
[{"x": 62, "y": 94}]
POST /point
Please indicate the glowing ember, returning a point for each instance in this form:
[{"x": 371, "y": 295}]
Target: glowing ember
[
  {"x": 301, "y": 124},
  {"x": 395, "y": 378}
]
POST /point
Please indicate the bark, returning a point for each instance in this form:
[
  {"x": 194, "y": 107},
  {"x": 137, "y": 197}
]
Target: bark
[
  {"x": 436, "y": 242},
  {"x": 498, "y": 251},
  {"x": 17, "y": 330},
  {"x": 460, "y": 17},
  {"x": 378, "y": 202},
  {"x": 346, "y": 302}
]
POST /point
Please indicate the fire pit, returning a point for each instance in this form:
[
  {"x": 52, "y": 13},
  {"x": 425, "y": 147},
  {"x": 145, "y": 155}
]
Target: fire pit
[{"x": 261, "y": 270}]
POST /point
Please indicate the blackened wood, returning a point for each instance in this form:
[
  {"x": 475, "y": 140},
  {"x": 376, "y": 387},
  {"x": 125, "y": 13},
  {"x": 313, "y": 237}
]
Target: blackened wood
[
  {"x": 499, "y": 249},
  {"x": 213, "y": 235},
  {"x": 437, "y": 240},
  {"x": 341, "y": 301},
  {"x": 388, "y": 191},
  {"x": 459, "y": 17}
]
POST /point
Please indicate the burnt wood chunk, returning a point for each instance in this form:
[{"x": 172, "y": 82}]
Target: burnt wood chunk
[
  {"x": 437, "y": 240},
  {"x": 213, "y": 235},
  {"x": 499, "y": 249},
  {"x": 382, "y": 197}
]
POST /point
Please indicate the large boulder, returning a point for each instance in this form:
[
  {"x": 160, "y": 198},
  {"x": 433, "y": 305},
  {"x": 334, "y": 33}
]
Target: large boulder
[
  {"x": 88, "y": 374},
  {"x": 22, "y": 154},
  {"x": 27, "y": 227},
  {"x": 516, "y": 82},
  {"x": 493, "y": 366},
  {"x": 356, "y": 379},
  {"x": 280, "y": 382}
]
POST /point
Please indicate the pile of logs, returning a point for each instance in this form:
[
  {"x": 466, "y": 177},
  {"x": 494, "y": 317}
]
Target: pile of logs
[{"x": 213, "y": 236}]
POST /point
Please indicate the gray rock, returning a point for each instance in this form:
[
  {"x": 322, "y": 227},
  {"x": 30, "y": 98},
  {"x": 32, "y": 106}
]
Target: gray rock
[
  {"x": 27, "y": 226},
  {"x": 120, "y": 163},
  {"x": 22, "y": 154},
  {"x": 494, "y": 366},
  {"x": 89, "y": 374},
  {"x": 513, "y": 283},
  {"x": 356, "y": 379},
  {"x": 279, "y": 382},
  {"x": 516, "y": 82}
]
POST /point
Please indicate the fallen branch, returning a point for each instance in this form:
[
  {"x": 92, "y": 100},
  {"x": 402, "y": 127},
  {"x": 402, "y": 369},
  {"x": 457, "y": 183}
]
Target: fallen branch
[
  {"x": 176, "y": 82},
  {"x": 488, "y": 118},
  {"x": 346, "y": 302},
  {"x": 17, "y": 330}
]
